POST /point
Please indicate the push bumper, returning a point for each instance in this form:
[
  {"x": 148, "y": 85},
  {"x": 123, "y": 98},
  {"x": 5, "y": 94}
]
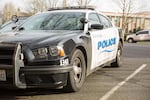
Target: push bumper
[
  {"x": 17, "y": 75},
  {"x": 38, "y": 77}
]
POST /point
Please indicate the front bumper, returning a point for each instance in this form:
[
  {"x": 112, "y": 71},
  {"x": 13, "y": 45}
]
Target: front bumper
[
  {"x": 38, "y": 77},
  {"x": 45, "y": 69},
  {"x": 20, "y": 76},
  {"x": 45, "y": 76}
]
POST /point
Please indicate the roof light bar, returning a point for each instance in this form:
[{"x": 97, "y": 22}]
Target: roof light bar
[{"x": 72, "y": 7}]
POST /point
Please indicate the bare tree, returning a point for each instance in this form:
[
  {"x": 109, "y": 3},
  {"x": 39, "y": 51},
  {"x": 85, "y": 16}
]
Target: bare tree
[
  {"x": 126, "y": 7},
  {"x": 64, "y": 3},
  {"x": 35, "y": 6},
  {"x": 40, "y": 5},
  {"x": 8, "y": 11},
  {"x": 52, "y": 3},
  {"x": 83, "y": 2}
]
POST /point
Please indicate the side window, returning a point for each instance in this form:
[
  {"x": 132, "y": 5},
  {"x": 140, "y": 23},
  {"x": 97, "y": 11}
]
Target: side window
[
  {"x": 93, "y": 18},
  {"x": 105, "y": 21},
  {"x": 143, "y": 32}
]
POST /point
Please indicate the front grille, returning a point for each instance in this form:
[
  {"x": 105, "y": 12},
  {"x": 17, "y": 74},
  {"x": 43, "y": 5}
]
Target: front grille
[
  {"x": 11, "y": 59},
  {"x": 7, "y": 55}
]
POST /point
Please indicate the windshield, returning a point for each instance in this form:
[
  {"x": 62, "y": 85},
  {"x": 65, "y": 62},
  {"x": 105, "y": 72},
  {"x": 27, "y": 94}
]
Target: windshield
[{"x": 54, "y": 21}]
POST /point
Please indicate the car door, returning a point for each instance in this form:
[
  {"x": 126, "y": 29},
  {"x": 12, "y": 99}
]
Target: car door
[
  {"x": 142, "y": 36},
  {"x": 103, "y": 42},
  {"x": 148, "y": 35},
  {"x": 112, "y": 36}
]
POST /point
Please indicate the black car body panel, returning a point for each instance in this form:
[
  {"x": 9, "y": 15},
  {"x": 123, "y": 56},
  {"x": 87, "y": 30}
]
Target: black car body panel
[{"x": 31, "y": 40}]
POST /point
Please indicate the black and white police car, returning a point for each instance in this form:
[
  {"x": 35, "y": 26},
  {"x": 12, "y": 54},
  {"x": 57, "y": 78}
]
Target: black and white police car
[{"x": 58, "y": 49}]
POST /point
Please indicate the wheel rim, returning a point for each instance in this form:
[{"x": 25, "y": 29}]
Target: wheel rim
[
  {"x": 130, "y": 40},
  {"x": 77, "y": 68}
]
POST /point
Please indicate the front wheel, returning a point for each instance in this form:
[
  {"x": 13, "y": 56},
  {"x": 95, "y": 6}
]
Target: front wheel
[
  {"x": 130, "y": 40},
  {"x": 76, "y": 77},
  {"x": 118, "y": 60}
]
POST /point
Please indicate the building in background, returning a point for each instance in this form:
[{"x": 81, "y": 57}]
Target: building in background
[{"x": 136, "y": 21}]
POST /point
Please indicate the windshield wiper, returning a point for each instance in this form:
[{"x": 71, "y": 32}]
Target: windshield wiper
[{"x": 21, "y": 28}]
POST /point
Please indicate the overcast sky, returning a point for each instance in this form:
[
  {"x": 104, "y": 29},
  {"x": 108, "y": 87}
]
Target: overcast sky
[{"x": 103, "y": 5}]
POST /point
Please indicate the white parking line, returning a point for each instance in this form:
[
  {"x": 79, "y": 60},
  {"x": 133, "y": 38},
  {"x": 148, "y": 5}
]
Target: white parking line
[{"x": 111, "y": 92}]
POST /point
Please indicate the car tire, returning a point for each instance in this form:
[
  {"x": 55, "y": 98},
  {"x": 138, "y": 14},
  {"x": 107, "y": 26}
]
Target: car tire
[
  {"x": 130, "y": 40},
  {"x": 77, "y": 76},
  {"x": 118, "y": 60}
]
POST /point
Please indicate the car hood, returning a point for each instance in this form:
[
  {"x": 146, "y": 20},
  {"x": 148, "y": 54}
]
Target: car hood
[{"x": 33, "y": 38}]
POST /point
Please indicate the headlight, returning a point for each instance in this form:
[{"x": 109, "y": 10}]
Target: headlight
[
  {"x": 44, "y": 53},
  {"x": 41, "y": 53},
  {"x": 56, "y": 51}
]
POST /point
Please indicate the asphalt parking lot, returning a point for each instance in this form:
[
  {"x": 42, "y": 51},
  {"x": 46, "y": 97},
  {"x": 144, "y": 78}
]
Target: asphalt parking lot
[{"x": 129, "y": 82}]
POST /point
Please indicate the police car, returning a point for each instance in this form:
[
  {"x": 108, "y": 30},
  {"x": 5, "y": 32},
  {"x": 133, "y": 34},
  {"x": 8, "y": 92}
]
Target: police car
[{"x": 58, "y": 49}]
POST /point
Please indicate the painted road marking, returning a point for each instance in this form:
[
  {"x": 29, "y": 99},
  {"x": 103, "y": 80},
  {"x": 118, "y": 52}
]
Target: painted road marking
[{"x": 111, "y": 92}]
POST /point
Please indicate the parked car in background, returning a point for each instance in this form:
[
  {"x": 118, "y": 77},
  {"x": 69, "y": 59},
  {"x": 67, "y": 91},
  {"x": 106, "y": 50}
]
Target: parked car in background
[
  {"x": 143, "y": 35},
  {"x": 7, "y": 26}
]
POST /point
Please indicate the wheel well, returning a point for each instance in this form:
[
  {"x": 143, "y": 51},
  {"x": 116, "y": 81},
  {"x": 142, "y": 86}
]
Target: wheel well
[
  {"x": 130, "y": 38},
  {"x": 84, "y": 52}
]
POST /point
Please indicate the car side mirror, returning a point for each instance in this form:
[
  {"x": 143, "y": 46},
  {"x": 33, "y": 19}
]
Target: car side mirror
[
  {"x": 83, "y": 20},
  {"x": 96, "y": 26}
]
